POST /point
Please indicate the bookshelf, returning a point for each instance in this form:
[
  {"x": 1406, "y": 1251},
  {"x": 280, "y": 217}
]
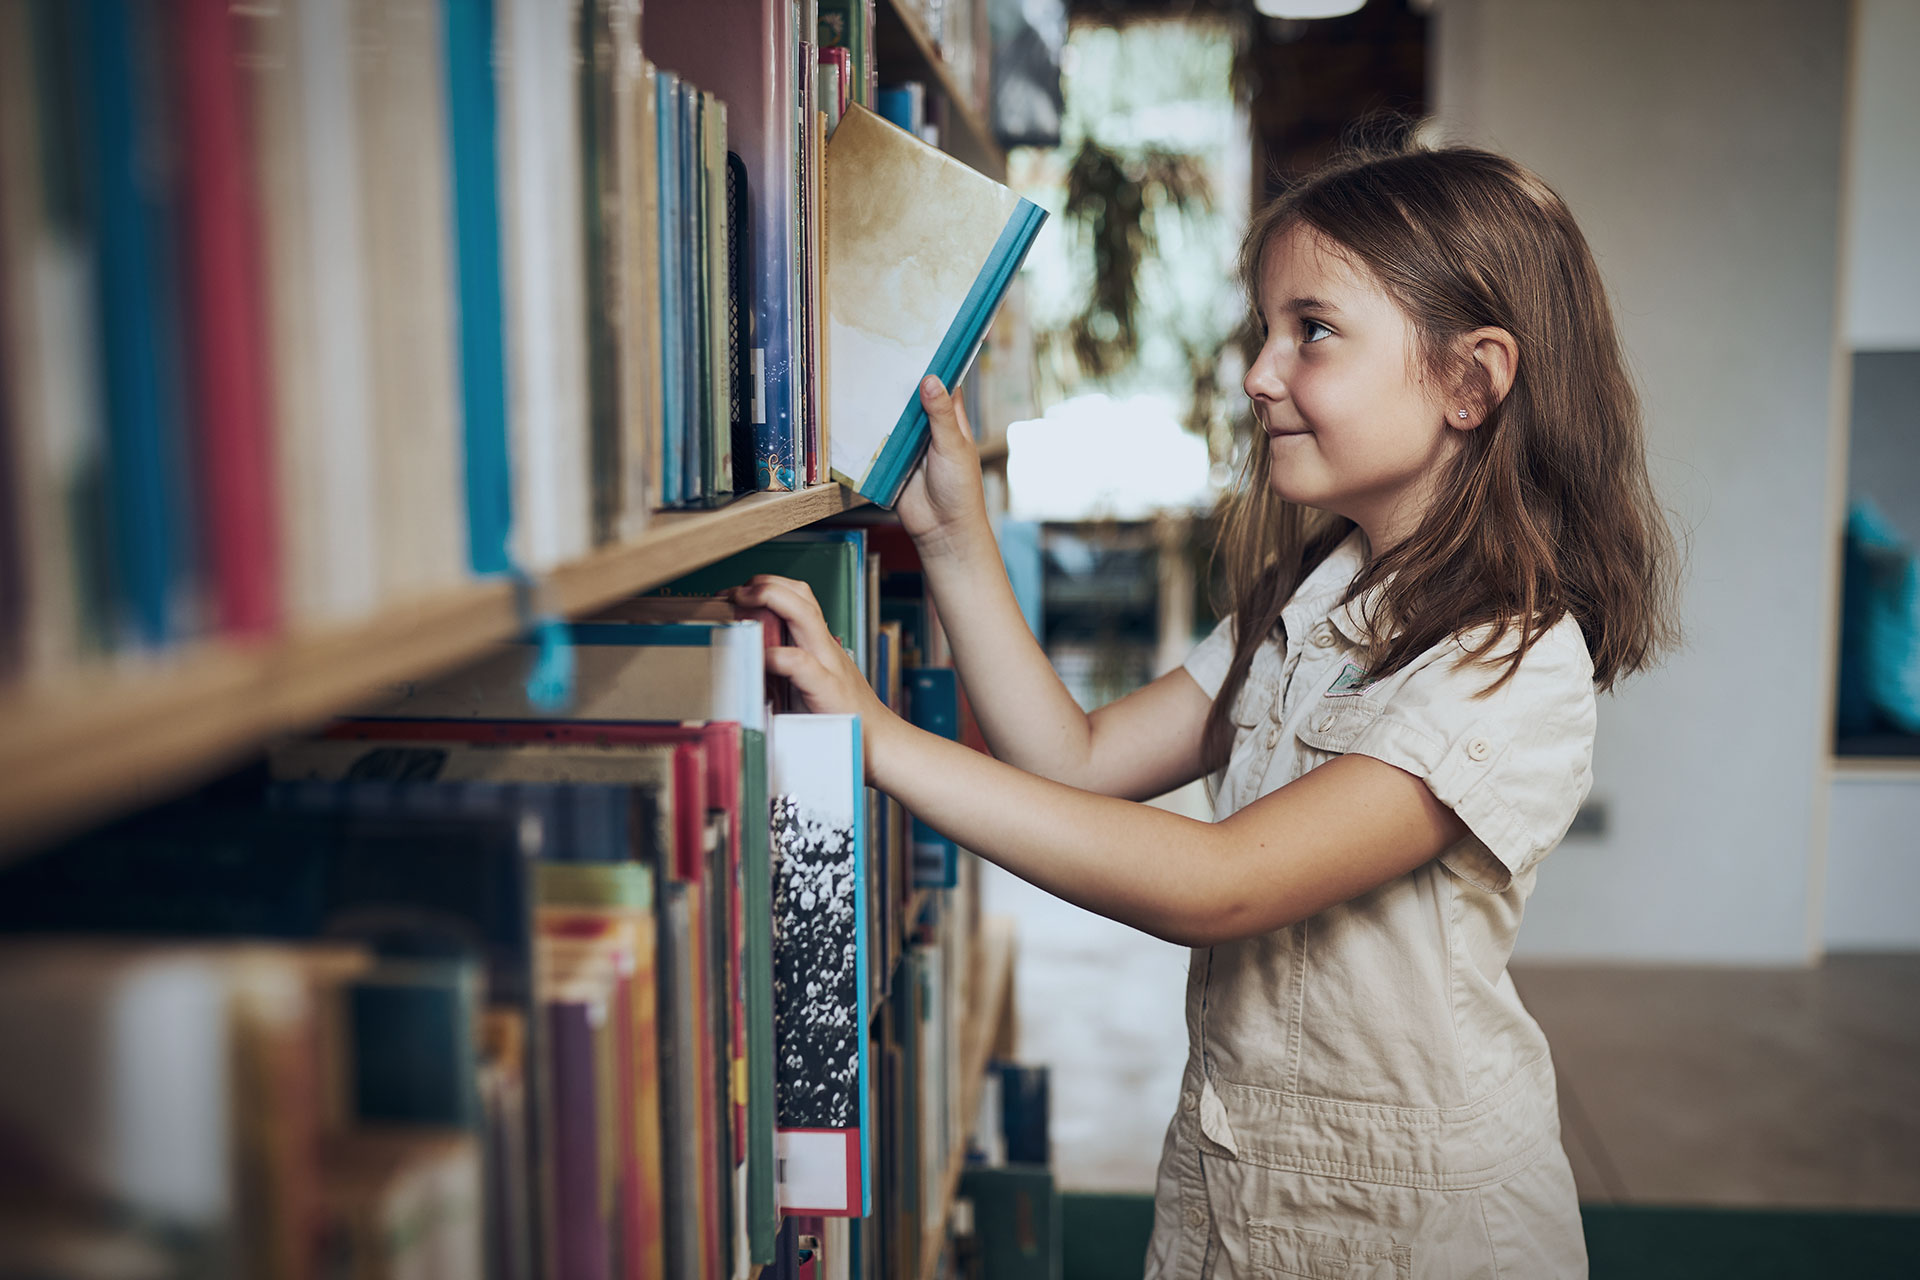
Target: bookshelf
[
  {"x": 907, "y": 52},
  {"x": 100, "y": 742},
  {"x": 84, "y": 741},
  {"x": 995, "y": 979}
]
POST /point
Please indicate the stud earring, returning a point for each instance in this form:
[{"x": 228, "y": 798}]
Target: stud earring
[{"x": 1463, "y": 413}]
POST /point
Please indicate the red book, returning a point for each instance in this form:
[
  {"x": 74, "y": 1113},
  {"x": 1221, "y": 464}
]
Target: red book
[{"x": 228, "y": 356}]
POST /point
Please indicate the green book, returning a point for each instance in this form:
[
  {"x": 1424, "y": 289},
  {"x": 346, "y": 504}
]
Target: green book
[
  {"x": 833, "y": 564},
  {"x": 843, "y": 25}
]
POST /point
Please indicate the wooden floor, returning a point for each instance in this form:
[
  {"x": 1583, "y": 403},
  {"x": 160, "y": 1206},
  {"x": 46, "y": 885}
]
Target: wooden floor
[{"x": 1733, "y": 1087}]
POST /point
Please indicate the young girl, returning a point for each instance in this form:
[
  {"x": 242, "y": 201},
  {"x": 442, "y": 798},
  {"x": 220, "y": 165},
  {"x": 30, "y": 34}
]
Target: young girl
[{"x": 1444, "y": 543}]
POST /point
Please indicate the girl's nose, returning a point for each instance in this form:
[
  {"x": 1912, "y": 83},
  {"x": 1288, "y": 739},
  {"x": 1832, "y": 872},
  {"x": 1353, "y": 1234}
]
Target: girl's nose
[{"x": 1266, "y": 380}]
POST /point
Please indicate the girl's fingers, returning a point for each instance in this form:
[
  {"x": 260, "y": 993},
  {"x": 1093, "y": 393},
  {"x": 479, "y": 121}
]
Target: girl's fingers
[
  {"x": 945, "y": 418},
  {"x": 794, "y": 603}
]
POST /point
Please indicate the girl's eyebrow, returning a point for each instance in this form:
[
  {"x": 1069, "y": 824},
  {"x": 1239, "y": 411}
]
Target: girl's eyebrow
[{"x": 1300, "y": 306}]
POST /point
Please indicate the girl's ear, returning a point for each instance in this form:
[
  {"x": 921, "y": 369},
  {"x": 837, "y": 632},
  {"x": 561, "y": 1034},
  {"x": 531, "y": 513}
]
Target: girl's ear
[{"x": 1492, "y": 358}]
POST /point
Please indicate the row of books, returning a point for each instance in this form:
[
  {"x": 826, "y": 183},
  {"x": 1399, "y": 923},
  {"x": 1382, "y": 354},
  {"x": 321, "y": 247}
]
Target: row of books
[
  {"x": 313, "y": 308},
  {"x": 619, "y": 992}
]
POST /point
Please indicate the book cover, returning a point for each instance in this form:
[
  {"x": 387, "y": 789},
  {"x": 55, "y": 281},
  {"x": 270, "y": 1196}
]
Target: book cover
[
  {"x": 305, "y": 154},
  {"x": 673, "y": 266},
  {"x": 820, "y": 959},
  {"x": 920, "y": 251},
  {"x": 49, "y": 384},
  {"x": 753, "y": 72},
  {"x": 601, "y": 917},
  {"x": 827, "y": 561},
  {"x": 848, "y": 25},
  {"x": 645, "y": 485},
  {"x": 472, "y": 129},
  {"x": 228, "y": 355},
  {"x": 581, "y": 1227},
  {"x": 413, "y": 1025},
  {"x": 719, "y": 367},
  {"x": 400, "y": 83},
  {"x": 546, "y": 281},
  {"x": 743, "y": 411},
  {"x": 135, "y": 204}
]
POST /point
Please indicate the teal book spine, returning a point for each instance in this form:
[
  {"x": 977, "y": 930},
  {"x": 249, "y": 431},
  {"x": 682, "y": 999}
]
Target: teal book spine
[{"x": 472, "y": 124}]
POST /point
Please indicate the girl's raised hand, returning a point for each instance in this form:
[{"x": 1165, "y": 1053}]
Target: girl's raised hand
[
  {"x": 943, "y": 495},
  {"x": 825, "y": 676}
]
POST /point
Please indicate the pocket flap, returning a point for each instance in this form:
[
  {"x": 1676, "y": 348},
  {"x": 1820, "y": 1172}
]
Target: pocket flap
[{"x": 1334, "y": 723}]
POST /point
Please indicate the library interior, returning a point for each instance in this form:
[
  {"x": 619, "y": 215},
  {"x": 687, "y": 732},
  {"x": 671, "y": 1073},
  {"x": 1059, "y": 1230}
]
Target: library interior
[{"x": 418, "y": 860}]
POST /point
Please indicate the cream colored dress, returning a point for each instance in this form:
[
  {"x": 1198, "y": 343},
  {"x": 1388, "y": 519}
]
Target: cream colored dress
[{"x": 1365, "y": 1096}]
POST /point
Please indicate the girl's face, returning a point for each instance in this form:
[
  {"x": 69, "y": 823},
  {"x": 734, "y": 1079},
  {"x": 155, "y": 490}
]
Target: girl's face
[{"x": 1353, "y": 425}]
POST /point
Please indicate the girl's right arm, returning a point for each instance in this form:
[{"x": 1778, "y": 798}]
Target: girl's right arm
[{"x": 1141, "y": 746}]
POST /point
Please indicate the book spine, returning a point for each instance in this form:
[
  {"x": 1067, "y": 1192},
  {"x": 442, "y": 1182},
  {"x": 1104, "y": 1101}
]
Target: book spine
[
  {"x": 132, "y": 199},
  {"x": 473, "y": 133},
  {"x": 229, "y": 355}
]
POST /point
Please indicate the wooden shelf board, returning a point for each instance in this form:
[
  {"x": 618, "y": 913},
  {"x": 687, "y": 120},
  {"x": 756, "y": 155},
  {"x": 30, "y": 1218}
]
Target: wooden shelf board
[
  {"x": 101, "y": 741},
  {"x": 905, "y": 51},
  {"x": 996, "y": 973}
]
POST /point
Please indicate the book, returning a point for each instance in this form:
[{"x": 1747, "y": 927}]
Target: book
[
  {"x": 829, "y": 562},
  {"x": 133, "y": 193},
  {"x": 887, "y": 328},
  {"x": 545, "y": 263},
  {"x": 820, "y": 958},
  {"x": 49, "y": 289},
  {"x": 227, "y": 356},
  {"x": 472, "y": 129},
  {"x": 306, "y": 156},
  {"x": 406, "y": 1203},
  {"x": 933, "y": 704},
  {"x": 754, "y": 74}
]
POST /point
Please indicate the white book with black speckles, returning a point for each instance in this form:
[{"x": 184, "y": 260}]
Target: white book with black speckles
[{"x": 820, "y": 959}]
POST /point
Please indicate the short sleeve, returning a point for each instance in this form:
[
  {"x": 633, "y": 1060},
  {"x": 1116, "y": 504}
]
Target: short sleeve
[
  {"x": 1515, "y": 763},
  {"x": 1208, "y": 662}
]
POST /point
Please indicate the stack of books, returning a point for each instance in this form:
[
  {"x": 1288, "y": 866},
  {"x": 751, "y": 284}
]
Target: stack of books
[{"x": 614, "y": 993}]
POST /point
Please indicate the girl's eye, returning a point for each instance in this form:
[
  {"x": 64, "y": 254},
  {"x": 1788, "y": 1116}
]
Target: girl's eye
[{"x": 1313, "y": 330}]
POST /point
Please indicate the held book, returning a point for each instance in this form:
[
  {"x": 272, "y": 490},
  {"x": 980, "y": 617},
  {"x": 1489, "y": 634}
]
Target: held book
[{"x": 920, "y": 251}]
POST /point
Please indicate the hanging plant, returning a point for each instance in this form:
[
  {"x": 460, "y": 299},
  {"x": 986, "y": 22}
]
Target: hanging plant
[{"x": 1111, "y": 198}]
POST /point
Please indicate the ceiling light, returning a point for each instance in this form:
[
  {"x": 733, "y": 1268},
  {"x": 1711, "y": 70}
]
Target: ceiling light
[{"x": 1308, "y": 8}]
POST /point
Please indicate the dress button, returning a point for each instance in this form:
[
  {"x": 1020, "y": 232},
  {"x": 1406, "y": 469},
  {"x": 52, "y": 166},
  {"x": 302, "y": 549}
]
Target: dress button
[
  {"x": 1273, "y": 737},
  {"x": 1479, "y": 749},
  {"x": 1196, "y": 1216},
  {"x": 1189, "y": 1100},
  {"x": 1326, "y": 723},
  {"x": 1323, "y": 636}
]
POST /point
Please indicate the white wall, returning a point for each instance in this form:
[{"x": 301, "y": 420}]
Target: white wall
[
  {"x": 1883, "y": 269},
  {"x": 1873, "y": 863},
  {"x": 1700, "y": 146}
]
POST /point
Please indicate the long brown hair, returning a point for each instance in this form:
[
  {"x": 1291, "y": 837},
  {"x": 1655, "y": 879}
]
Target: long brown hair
[{"x": 1546, "y": 509}]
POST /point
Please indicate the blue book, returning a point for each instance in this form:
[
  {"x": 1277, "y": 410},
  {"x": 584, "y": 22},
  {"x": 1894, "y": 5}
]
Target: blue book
[
  {"x": 482, "y": 336},
  {"x": 141, "y": 319},
  {"x": 821, "y": 956},
  {"x": 933, "y": 704},
  {"x": 693, "y": 328},
  {"x": 888, "y": 328},
  {"x": 672, "y": 270}
]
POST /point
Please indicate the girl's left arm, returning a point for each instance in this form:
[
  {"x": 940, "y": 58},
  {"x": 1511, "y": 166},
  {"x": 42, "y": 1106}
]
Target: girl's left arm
[{"x": 1342, "y": 829}]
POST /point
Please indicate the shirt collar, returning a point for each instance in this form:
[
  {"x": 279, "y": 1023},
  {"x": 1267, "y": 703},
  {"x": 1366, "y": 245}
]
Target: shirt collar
[{"x": 1320, "y": 594}]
